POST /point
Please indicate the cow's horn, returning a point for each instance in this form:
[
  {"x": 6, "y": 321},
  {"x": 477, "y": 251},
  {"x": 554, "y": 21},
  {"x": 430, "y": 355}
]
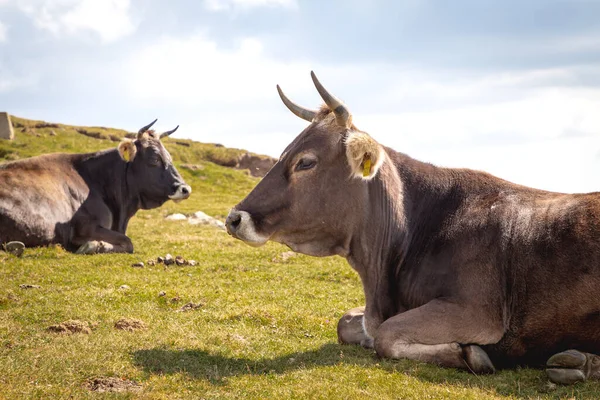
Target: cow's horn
[
  {"x": 342, "y": 115},
  {"x": 299, "y": 111},
  {"x": 167, "y": 133},
  {"x": 145, "y": 128}
]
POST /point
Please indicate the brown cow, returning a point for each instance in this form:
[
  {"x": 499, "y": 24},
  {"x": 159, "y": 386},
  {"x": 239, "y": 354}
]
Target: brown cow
[
  {"x": 459, "y": 268},
  {"x": 85, "y": 201}
]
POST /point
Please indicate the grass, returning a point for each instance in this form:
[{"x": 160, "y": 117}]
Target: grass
[{"x": 267, "y": 327}]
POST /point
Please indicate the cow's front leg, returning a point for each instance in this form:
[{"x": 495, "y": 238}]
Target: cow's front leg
[
  {"x": 440, "y": 332},
  {"x": 102, "y": 240},
  {"x": 351, "y": 330}
]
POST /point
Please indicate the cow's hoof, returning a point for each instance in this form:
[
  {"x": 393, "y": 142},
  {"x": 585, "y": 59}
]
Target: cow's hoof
[
  {"x": 368, "y": 343},
  {"x": 350, "y": 328},
  {"x": 15, "y": 248},
  {"x": 573, "y": 366},
  {"x": 91, "y": 247},
  {"x": 478, "y": 360}
]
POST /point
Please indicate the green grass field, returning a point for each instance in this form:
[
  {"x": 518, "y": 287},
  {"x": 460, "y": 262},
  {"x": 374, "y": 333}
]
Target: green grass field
[{"x": 265, "y": 328}]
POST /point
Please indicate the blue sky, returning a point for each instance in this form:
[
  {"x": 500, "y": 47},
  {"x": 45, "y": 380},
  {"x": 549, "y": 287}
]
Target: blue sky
[{"x": 510, "y": 87}]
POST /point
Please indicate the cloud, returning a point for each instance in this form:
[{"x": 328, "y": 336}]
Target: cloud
[
  {"x": 3, "y": 37},
  {"x": 514, "y": 124},
  {"x": 108, "y": 20},
  {"x": 228, "y": 5}
]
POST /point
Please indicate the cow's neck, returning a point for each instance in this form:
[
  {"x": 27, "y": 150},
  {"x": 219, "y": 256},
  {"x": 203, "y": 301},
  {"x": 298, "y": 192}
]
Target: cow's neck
[
  {"x": 108, "y": 175},
  {"x": 399, "y": 198}
]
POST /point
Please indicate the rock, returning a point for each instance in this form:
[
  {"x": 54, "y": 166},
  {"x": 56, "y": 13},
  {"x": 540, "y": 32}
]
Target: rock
[
  {"x": 160, "y": 259},
  {"x": 175, "y": 299},
  {"x": 151, "y": 263},
  {"x": 129, "y": 324},
  {"x": 257, "y": 165},
  {"x": 29, "y": 286},
  {"x": 175, "y": 217},
  {"x": 6, "y": 127},
  {"x": 169, "y": 259},
  {"x": 191, "y": 263},
  {"x": 180, "y": 260},
  {"x": 124, "y": 287},
  {"x": 71, "y": 326},
  {"x": 162, "y": 293},
  {"x": 52, "y": 133},
  {"x": 138, "y": 265},
  {"x": 200, "y": 218}
]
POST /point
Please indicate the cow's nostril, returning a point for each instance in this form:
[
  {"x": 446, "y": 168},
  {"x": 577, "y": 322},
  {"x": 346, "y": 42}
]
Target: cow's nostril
[
  {"x": 233, "y": 221},
  {"x": 185, "y": 190}
]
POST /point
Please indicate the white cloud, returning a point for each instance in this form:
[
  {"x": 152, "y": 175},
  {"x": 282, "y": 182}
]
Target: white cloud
[
  {"x": 108, "y": 19},
  {"x": 3, "y": 36},
  {"x": 227, "y": 5},
  {"x": 514, "y": 125}
]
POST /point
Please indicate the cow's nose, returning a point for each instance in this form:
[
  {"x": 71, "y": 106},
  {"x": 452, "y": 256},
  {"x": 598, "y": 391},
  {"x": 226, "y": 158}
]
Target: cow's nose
[
  {"x": 180, "y": 192},
  {"x": 233, "y": 221},
  {"x": 186, "y": 190}
]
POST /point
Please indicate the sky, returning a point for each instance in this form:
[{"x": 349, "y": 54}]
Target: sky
[{"x": 511, "y": 87}]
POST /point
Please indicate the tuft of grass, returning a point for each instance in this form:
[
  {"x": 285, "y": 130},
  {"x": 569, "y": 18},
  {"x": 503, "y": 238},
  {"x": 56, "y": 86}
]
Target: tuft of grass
[{"x": 265, "y": 327}]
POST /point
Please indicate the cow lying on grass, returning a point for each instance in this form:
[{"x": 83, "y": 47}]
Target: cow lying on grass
[
  {"x": 459, "y": 268},
  {"x": 85, "y": 201}
]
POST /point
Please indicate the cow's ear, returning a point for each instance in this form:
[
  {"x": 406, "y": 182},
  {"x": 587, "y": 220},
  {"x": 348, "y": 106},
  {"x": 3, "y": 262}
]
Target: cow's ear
[
  {"x": 127, "y": 150},
  {"x": 365, "y": 155}
]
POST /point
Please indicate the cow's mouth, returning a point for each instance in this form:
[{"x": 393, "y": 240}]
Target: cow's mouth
[
  {"x": 240, "y": 225},
  {"x": 182, "y": 192}
]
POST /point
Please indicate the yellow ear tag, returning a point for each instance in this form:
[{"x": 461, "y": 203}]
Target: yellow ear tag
[
  {"x": 126, "y": 154},
  {"x": 367, "y": 166}
]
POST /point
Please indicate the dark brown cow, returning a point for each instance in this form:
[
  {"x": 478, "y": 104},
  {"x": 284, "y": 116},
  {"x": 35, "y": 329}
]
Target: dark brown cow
[
  {"x": 85, "y": 201},
  {"x": 459, "y": 268}
]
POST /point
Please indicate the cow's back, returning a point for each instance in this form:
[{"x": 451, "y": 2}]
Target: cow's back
[{"x": 38, "y": 197}]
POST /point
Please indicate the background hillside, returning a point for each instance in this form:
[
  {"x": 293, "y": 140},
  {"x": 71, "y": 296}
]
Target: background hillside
[
  {"x": 218, "y": 175},
  {"x": 243, "y": 322}
]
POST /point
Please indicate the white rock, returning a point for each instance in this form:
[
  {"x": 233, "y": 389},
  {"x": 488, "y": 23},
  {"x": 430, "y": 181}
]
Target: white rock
[
  {"x": 175, "y": 217},
  {"x": 200, "y": 218}
]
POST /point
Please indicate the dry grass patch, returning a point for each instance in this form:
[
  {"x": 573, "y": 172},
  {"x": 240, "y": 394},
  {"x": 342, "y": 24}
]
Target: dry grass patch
[
  {"x": 130, "y": 324},
  {"x": 71, "y": 326},
  {"x": 112, "y": 384}
]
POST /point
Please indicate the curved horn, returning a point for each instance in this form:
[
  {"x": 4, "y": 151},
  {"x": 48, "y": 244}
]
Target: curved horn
[
  {"x": 299, "y": 111},
  {"x": 167, "y": 133},
  {"x": 342, "y": 115},
  {"x": 145, "y": 128}
]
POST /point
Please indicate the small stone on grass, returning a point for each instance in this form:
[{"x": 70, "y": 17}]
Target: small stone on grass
[
  {"x": 29, "y": 286},
  {"x": 190, "y": 306}
]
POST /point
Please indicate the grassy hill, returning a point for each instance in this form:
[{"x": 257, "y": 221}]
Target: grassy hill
[{"x": 263, "y": 324}]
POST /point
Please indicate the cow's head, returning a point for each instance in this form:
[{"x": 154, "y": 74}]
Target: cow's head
[
  {"x": 151, "y": 170},
  {"x": 315, "y": 195}
]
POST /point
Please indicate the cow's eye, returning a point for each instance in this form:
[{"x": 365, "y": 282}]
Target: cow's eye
[
  {"x": 305, "y": 163},
  {"x": 154, "y": 161}
]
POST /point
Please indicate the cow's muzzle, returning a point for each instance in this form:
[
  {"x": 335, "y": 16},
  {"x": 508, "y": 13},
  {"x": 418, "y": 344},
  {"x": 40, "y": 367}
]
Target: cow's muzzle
[
  {"x": 182, "y": 192},
  {"x": 240, "y": 225}
]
